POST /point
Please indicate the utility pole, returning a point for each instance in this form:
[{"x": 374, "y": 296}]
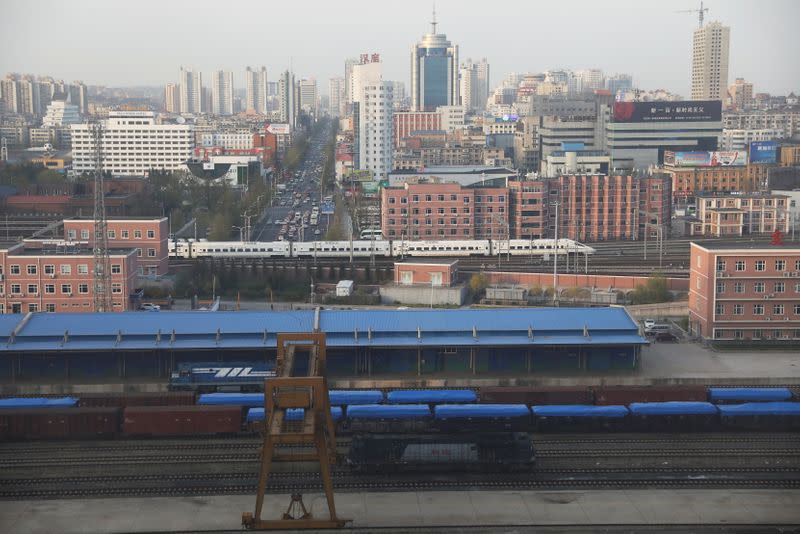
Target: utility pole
[
  {"x": 555, "y": 204},
  {"x": 102, "y": 267}
]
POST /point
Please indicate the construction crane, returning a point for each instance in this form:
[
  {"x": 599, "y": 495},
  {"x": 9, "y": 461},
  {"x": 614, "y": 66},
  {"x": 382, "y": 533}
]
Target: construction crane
[
  {"x": 700, "y": 12},
  {"x": 299, "y": 383},
  {"x": 102, "y": 261}
]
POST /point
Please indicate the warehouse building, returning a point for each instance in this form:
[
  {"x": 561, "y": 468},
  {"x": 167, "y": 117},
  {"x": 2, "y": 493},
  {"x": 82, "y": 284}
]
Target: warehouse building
[{"x": 44, "y": 348}]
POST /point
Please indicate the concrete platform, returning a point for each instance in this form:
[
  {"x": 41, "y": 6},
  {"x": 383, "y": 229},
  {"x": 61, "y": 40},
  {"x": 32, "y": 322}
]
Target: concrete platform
[{"x": 422, "y": 510}]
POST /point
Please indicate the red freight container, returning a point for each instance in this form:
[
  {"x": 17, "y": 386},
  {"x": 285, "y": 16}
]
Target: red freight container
[
  {"x": 181, "y": 420},
  {"x": 123, "y": 400},
  {"x": 59, "y": 423},
  {"x": 536, "y": 395},
  {"x": 609, "y": 395}
]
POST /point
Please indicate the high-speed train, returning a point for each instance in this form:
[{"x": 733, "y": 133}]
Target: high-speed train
[{"x": 379, "y": 248}]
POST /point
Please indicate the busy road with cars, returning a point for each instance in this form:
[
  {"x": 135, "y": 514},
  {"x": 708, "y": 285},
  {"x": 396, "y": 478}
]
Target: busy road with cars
[{"x": 294, "y": 211}]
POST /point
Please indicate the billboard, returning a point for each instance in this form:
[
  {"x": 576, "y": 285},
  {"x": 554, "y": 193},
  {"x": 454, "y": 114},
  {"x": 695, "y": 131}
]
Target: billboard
[
  {"x": 359, "y": 176},
  {"x": 763, "y": 152},
  {"x": 370, "y": 187},
  {"x": 327, "y": 208},
  {"x": 678, "y": 111},
  {"x": 705, "y": 159}
]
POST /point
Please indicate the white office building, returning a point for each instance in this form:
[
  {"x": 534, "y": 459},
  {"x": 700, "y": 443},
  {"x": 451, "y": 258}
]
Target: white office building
[
  {"x": 222, "y": 92},
  {"x": 59, "y": 113},
  {"x": 741, "y": 139},
  {"x": 191, "y": 85},
  {"x": 133, "y": 144},
  {"x": 375, "y": 113},
  {"x": 236, "y": 140},
  {"x": 287, "y": 99},
  {"x": 256, "y": 90},
  {"x": 308, "y": 96}
]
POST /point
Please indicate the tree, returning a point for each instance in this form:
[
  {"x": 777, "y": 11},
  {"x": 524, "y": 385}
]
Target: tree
[
  {"x": 652, "y": 291},
  {"x": 478, "y": 282}
]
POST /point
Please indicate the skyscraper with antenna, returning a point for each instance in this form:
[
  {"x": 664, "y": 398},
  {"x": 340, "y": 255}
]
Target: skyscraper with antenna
[{"x": 434, "y": 71}]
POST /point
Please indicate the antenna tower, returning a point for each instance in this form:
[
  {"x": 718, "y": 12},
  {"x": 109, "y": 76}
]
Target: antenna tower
[{"x": 102, "y": 267}]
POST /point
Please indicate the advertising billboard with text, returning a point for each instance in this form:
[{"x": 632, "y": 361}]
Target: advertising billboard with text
[
  {"x": 705, "y": 159},
  {"x": 763, "y": 152},
  {"x": 678, "y": 111}
]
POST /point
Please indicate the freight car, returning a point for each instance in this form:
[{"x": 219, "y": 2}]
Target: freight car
[{"x": 493, "y": 451}]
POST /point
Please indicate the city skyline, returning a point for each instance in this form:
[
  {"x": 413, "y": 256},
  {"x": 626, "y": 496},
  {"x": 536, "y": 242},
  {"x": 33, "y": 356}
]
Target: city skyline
[{"x": 128, "y": 60}]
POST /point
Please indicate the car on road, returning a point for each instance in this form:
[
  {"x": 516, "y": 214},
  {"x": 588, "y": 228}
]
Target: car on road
[
  {"x": 317, "y": 232},
  {"x": 147, "y": 306},
  {"x": 666, "y": 337}
]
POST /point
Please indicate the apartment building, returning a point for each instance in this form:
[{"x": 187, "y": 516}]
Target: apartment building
[
  {"x": 732, "y": 215},
  {"x": 689, "y": 181},
  {"x": 132, "y": 145},
  {"x": 53, "y": 276},
  {"x": 146, "y": 236},
  {"x": 745, "y": 292}
]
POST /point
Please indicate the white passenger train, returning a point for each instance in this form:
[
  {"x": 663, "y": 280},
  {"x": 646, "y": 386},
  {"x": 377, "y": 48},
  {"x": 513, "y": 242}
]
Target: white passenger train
[{"x": 379, "y": 248}]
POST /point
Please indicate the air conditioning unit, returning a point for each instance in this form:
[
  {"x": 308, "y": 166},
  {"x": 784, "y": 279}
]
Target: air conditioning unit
[
  {"x": 52, "y": 275},
  {"x": 769, "y": 318},
  {"x": 786, "y": 275},
  {"x": 772, "y": 295},
  {"x": 766, "y": 297}
]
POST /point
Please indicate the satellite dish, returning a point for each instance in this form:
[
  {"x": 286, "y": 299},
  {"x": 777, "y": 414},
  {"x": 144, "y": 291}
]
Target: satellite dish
[{"x": 180, "y": 120}]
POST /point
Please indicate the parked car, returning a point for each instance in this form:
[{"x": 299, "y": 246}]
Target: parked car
[
  {"x": 147, "y": 306},
  {"x": 649, "y": 323}
]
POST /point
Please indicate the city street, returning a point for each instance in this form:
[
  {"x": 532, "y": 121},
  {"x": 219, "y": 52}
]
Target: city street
[{"x": 301, "y": 194}]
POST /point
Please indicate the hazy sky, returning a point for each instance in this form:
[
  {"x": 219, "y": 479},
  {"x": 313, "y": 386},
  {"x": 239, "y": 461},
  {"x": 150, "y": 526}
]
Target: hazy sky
[{"x": 143, "y": 42}]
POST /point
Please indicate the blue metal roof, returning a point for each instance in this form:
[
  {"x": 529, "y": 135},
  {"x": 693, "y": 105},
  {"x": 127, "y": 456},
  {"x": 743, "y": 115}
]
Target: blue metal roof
[
  {"x": 414, "y": 396},
  {"x": 760, "y": 408},
  {"x": 344, "y": 328},
  {"x": 346, "y": 397},
  {"x": 672, "y": 408},
  {"x": 749, "y": 394},
  {"x": 578, "y": 410}
]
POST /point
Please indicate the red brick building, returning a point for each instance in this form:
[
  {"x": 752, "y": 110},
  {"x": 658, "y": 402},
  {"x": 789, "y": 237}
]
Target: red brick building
[
  {"x": 56, "y": 277},
  {"x": 148, "y": 237},
  {"x": 742, "y": 291},
  {"x": 443, "y": 273},
  {"x": 406, "y": 122}
]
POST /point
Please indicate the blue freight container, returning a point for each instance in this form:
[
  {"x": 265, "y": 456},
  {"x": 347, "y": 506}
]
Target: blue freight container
[
  {"x": 760, "y": 408},
  {"x": 232, "y": 399},
  {"x": 672, "y": 408},
  {"x": 38, "y": 402},
  {"x": 475, "y": 411},
  {"x": 292, "y": 414},
  {"x": 345, "y": 397},
  {"x": 430, "y": 396},
  {"x": 388, "y": 411},
  {"x": 749, "y": 394},
  {"x": 579, "y": 410}
]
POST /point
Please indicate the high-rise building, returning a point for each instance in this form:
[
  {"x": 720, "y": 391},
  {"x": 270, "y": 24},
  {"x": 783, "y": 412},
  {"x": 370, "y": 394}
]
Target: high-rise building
[
  {"x": 336, "y": 88},
  {"x": 375, "y": 128},
  {"x": 222, "y": 92},
  {"x": 10, "y": 94},
  {"x": 740, "y": 95},
  {"x": 191, "y": 91},
  {"x": 474, "y": 78},
  {"x": 710, "y": 62},
  {"x": 79, "y": 95},
  {"x": 172, "y": 98},
  {"x": 308, "y": 95},
  {"x": 256, "y": 90},
  {"x": 369, "y": 70},
  {"x": 30, "y": 101},
  {"x": 434, "y": 72},
  {"x": 348, "y": 73},
  {"x": 619, "y": 83},
  {"x": 286, "y": 97}
]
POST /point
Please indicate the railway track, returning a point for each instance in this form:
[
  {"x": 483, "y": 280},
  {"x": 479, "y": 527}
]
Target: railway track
[{"x": 561, "y": 479}]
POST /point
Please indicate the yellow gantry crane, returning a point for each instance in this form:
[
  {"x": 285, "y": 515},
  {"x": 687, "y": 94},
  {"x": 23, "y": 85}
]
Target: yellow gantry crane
[{"x": 310, "y": 392}]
